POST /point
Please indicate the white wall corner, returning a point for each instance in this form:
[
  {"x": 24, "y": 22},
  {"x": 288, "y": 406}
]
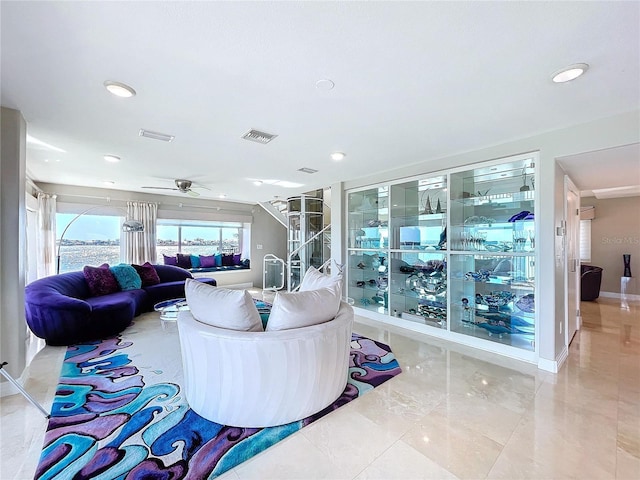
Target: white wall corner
[{"x": 554, "y": 366}]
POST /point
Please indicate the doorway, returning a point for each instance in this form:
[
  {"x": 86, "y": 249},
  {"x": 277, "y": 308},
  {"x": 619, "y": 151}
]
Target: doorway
[{"x": 572, "y": 259}]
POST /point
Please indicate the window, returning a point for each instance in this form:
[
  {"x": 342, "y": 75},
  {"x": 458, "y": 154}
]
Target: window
[
  {"x": 585, "y": 240},
  {"x": 200, "y": 238},
  {"x": 90, "y": 240}
]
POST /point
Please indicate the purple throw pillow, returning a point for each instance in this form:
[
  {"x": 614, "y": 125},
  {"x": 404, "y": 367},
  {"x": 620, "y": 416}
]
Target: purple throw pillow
[
  {"x": 227, "y": 259},
  {"x": 148, "y": 274},
  {"x": 100, "y": 280},
  {"x": 168, "y": 260},
  {"x": 236, "y": 259},
  {"x": 184, "y": 260},
  {"x": 207, "y": 261}
]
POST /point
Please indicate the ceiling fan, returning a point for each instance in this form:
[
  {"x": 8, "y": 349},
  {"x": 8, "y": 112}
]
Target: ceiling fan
[{"x": 183, "y": 186}]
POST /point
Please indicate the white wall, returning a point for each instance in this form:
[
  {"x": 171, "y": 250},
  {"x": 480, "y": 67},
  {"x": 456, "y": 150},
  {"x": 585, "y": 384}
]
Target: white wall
[
  {"x": 13, "y": 241},
  {"x": 614, "y": 232},
  {"x": 610, "y": 132}
]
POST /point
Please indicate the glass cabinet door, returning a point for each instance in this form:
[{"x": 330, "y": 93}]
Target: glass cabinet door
[
  {"x": 492, "y": 208},
  {"x": 418, "y": 214},
  {"x": 492, "y": 263},
  {"x": 368, "y": 223},
  {"x": 368, "y": 279},
  {"x": 492, "y": 297},
  {"x": 418, "y": 288}
]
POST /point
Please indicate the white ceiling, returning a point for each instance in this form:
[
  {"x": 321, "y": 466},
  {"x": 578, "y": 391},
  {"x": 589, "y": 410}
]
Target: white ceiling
[{"x": 413, "y": 81}]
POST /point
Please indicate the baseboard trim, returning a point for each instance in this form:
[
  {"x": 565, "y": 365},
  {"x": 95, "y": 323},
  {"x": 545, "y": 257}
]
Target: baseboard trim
[
  {"x": 554, "y": 366},
  {"x": 629, "y": 296}
]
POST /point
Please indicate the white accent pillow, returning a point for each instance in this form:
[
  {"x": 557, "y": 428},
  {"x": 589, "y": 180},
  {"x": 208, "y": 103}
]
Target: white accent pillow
[
  {"x": 221, "y": 307},
  {"x": 314, "y": 279},
  {"x": 302, "y": 309}
]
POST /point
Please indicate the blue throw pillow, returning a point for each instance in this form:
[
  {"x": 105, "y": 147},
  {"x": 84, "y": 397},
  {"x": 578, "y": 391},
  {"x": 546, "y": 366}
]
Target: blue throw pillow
[
  {"x": 218, "y": 258},
  {"x": 126, "y": 276},
  {"x": 195, "y": 261}
]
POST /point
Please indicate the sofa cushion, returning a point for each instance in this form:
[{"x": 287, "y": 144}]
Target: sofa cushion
[
  {"x": 195, "y": 261},
  {"x": 207, "y": 261},
  {"x": 169, "y": 260},
  {"x": 171, "y": 273},
  {"x": 165, "y": 291},
  {"x": 218, "y": 259},
  {"x": 227, "y": 259},
  {"x": 126, "y": 276},
  {"x": 116, "y": 309},
  {"x": 314, "y": 279},
  {"x": 184, "y": 260},
  {"x": 100, "y": 280},
  {"x": 148, "y": 274},
  {"x": 302, "y": 309},
  {"x": 236, "y": 258},
  {"x": 221, "y": 307}
]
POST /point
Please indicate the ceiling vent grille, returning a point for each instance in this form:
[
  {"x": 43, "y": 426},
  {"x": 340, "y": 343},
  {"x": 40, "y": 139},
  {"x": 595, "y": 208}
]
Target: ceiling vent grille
[
  {"x": 258, "y": 136},
  {"x": 156, "y": 136},
  {"x": 307, "y": 170}
]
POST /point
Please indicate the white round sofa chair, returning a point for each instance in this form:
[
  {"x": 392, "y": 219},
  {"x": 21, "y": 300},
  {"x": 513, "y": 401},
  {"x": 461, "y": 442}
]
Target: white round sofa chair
[{"x": 264, "y": 378}]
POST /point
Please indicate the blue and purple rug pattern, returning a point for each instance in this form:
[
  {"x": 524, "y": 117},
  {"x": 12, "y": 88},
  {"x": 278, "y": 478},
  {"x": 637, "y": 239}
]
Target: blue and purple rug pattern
[{"x": 107, "y": 423}]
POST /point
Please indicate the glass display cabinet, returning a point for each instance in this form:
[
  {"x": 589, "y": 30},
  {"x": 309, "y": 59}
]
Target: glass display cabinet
[
  {"x": 418, "y": 223},
  {"x": 368, "y": 239},
  {"x": 492, "y": 245},
  {"x": 453, "y": 251}
]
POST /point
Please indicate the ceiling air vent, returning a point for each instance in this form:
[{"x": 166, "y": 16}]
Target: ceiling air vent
[
  {"x": 156, "y": 136},
  {"x": 307, "y": 170},
  {"x": 258, "y": 136}
]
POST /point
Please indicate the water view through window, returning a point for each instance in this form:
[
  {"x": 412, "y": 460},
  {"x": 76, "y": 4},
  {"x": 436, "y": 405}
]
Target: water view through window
[{"x": 95, "y": 239}]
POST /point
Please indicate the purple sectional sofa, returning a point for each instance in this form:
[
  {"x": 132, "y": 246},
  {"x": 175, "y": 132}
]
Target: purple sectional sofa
[{"x": 61, "y": 310}]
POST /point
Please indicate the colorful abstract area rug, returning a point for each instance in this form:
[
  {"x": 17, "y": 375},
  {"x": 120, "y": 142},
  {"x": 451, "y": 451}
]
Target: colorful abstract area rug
[{"x": 109, "y": 421}]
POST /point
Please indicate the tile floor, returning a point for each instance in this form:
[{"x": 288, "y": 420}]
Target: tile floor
[{"x": 452, "y": 413}]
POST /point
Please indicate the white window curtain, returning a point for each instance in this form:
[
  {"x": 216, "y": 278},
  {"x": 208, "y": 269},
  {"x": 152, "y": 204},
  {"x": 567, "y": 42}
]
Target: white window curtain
[
  {"x": 46, "y": 241},
  {"x": 140, "y": 247}
]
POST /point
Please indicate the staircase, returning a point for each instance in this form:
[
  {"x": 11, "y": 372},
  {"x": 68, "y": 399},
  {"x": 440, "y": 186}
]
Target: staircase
[{"x": 307, "y": 218}]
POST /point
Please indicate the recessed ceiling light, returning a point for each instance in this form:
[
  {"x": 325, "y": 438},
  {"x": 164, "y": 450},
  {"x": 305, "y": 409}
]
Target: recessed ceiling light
[
  {"x": 569, "y": 73},
  {"x": 257, "y": 183},
  {"x": 325, "y": 84},
  {"x": 112, "y": 158},
  {"x": 222, "y": 195},
  {"x": 337, "y": 156},
  {"x": 109, "y": 183},
  {"x": 119, "y": 89}
]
